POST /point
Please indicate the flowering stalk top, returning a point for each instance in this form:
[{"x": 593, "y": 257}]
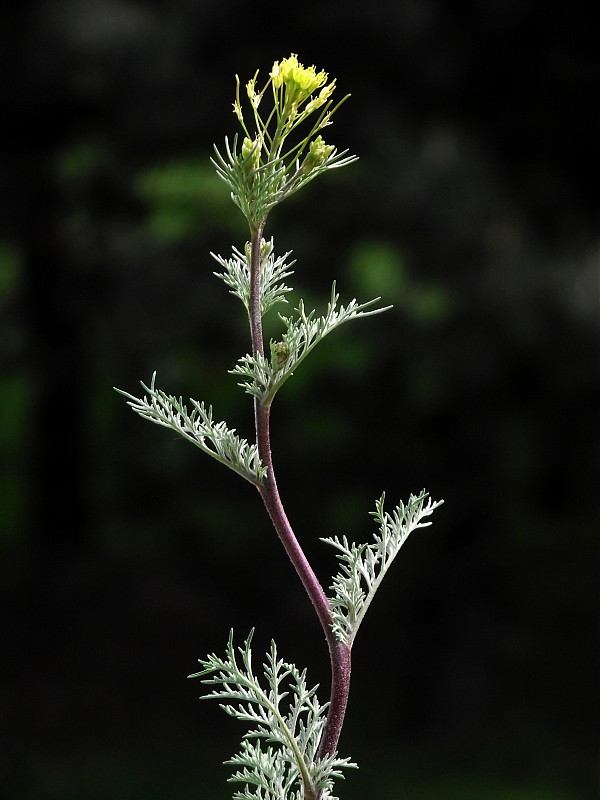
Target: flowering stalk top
[{"x": 268, "y": 167}]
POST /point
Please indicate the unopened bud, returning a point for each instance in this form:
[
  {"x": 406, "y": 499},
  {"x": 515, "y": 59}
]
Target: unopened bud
[
  {"x": 250, "y": 156},
  {"x": 280, "y": 352},
  {"x": 318, "y": 152}
]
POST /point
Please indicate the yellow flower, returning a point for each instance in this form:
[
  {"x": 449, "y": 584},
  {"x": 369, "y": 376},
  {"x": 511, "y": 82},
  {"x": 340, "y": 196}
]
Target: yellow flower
[
  {"x": 299, "y": 81},
  {"x": 254, "y": 96},
  {"x": 322, "y": 98}
]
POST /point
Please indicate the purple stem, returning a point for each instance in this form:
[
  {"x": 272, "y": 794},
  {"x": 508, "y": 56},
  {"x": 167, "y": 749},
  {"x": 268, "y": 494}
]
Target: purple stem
[{"x": 339, "y": 653}]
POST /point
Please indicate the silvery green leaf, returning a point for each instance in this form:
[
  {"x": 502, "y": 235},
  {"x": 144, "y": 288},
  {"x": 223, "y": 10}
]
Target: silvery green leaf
[
  {"x": 254, "y": 192},
  {"x": 273, "y": 271},
  {"x": 278, "y": 756},
  {"x": 302, "y": 334},
  {"x": 199, "y": 428},
  {"x": 364, "y": 566}
]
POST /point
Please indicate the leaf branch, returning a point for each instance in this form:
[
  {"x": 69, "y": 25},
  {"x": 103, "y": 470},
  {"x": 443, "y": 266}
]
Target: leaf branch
[
  {"x": 199, "y": 428},
  {"x": 302, "y": 334},
  {"x": 364, "y": 566},
  {"x": 294, "y": 731}
]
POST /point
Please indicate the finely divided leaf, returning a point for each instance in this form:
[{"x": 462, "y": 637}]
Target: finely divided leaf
[
  {"x": 278, "y": 757},
  {"x": 198, "y": 427},
  {"x": 302, "y": 334},
  {"x": 363, "y": 566},
  {"x": 273, "y": 271}
]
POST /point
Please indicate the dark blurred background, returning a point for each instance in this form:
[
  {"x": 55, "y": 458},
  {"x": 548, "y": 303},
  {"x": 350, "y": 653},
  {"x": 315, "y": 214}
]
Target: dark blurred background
[{"x": 126, "y": 554}]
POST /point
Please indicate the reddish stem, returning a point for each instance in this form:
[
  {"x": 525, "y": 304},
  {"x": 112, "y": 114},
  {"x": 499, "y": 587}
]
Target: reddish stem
[
  {"x": 339, "y": 653},
  {"x": 254, "y": 310}
]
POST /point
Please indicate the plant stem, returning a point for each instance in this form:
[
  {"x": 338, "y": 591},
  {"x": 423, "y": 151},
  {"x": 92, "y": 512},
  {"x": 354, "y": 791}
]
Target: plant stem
[
  {"x": 255, "y": 312},
  {"x": 339, "y": 652}
]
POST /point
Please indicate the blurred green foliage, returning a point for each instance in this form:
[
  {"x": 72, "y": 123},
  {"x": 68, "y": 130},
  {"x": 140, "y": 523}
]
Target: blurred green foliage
[
  {"x": 185, "y": 198},
  {"x": 378, "y": 268}
]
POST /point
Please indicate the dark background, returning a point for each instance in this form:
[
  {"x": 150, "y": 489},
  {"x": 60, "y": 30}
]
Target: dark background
[{"x": 126, "y": 554}]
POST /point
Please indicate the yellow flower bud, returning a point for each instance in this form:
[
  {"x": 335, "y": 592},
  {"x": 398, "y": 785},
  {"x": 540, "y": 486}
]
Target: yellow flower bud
[
  {"x": 251, "y": 155},
  {"x": 247, "y": 147},
  {"x": 276, "y": 76},
  {"x": 318, "y": 152}
]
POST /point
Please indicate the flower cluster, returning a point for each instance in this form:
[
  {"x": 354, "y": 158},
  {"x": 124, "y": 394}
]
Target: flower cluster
[
  {"x": 267, "y": 167},
  {"x": 299, "y": 82}
]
